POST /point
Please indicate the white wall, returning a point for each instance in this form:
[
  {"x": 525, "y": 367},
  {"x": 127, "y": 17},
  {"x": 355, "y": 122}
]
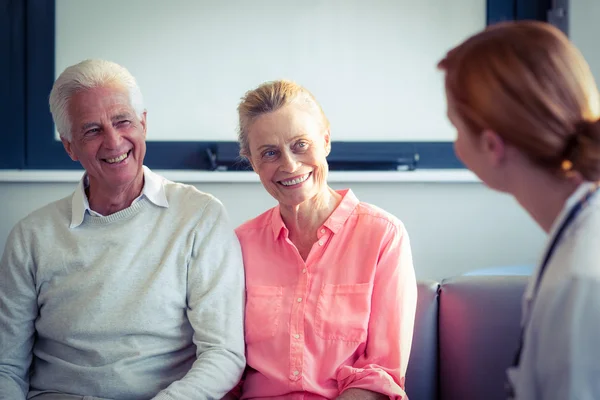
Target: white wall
[
  {"x": 584, "y": 31},
  {"x": 454, "y": 227}
]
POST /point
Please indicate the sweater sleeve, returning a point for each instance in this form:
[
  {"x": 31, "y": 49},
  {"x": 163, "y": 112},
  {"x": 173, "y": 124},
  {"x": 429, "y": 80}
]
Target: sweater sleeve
[
  {"x": 18, "y": 311},
  {"x": 215, "y": 296}
]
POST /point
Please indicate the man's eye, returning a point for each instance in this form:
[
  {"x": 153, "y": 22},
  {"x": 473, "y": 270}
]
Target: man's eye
[{"x": 92, "y": 131}]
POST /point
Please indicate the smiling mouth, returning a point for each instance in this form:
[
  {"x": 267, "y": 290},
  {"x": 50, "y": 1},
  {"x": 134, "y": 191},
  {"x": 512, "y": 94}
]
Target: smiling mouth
[
  {"x": 295, "y": 181},
  {"x": 117, "y": 159}
]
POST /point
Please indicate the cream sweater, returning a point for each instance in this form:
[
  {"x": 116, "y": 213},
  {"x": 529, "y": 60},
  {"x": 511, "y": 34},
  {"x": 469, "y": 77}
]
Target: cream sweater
[{"x": 144, "y": 303}]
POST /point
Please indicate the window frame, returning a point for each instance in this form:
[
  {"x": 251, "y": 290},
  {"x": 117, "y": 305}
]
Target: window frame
[
  {"x": 12, "y": 88},
  {"x": 31, "y": 143}
]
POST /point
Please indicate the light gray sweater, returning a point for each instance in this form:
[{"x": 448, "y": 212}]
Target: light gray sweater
[{"x": 144, "y": 303}]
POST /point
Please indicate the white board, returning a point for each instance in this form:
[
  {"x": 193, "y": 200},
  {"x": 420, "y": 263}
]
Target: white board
[{"x": 371, "y": 64}]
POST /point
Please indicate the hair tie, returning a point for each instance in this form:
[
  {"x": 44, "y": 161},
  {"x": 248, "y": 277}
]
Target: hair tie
[
  {"x": 583, "y": 129},
  {"x": 566, "y": 165},
  {"x": 571, "y": 146}
]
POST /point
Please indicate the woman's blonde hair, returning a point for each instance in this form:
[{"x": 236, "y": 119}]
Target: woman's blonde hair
[
  {"x": 269, "y": 97},
  {"x": 528, "y": 83}
]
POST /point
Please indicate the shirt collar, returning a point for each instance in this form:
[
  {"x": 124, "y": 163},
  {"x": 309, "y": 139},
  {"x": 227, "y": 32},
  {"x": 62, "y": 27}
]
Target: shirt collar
[
  {"x": 335, "y": 221},
  {"x": 153, "y": 190}
]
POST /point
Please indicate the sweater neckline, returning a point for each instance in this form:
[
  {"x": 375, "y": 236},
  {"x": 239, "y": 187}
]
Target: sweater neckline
[{"x": 127, "y": 213}]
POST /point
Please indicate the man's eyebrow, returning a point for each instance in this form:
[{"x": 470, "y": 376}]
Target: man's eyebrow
[
  {"x": 89, "y": 125},
  {"x": 121, "y": 116}
]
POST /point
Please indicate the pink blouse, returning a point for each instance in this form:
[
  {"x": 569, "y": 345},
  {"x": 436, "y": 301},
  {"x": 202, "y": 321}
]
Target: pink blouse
[{"x": 342, "y": 319}]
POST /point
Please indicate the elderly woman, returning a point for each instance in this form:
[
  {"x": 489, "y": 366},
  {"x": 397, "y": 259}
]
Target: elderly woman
[
  {"x": 331, "y": 290},
  {"x": 527, "y": 111}
]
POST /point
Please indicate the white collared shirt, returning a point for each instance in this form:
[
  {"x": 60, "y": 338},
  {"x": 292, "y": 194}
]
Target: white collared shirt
[
  {"x": 153, "y": 190},
  {"x": 559, "y": 359}
]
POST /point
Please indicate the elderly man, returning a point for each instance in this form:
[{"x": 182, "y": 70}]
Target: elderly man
[{"x": 133, "y": 286}]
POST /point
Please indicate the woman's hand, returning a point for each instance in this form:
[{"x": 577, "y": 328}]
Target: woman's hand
[{"x": 361, "y": 394}]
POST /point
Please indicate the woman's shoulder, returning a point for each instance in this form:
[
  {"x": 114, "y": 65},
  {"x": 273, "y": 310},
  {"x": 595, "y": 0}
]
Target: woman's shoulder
[
  {"x": 372, "y": 214},
  {"x": 578, "y": 250}
]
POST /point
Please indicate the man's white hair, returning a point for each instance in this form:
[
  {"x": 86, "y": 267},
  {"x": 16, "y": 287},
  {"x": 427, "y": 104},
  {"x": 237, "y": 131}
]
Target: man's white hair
[{"x": 86, "y": 75}]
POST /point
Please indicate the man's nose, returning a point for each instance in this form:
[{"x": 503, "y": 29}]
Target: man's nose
[{"x": 112, "y": 138}]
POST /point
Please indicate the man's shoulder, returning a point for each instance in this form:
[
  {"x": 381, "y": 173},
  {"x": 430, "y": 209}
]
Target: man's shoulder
[
  {"x": 52, "y": 213},
  {"x": 182, "y": 194},
  {"x": 42, "y": 222},
  {"x": 188, "y": 204}
]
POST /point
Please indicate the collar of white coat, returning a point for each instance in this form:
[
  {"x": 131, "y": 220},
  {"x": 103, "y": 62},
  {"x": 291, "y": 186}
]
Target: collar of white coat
[{"x": 569, "y": 204}]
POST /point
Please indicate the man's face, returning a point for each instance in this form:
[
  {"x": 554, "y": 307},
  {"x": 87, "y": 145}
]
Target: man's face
[{"x": 108, "y": 138}]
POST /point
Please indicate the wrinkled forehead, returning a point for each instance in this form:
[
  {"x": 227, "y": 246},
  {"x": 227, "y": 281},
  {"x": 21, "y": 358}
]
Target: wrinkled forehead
[
  {"x": 98, "y": 102},
  {"x": 284, "y": 125}
]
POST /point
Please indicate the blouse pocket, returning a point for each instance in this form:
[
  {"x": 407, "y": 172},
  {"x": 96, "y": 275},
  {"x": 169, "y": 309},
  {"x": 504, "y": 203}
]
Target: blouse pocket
[
  {"x": 263, "y": 307},
  {"x": 343, "y": 312}
]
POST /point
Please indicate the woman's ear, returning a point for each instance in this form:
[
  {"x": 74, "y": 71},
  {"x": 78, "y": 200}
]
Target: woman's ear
[
  {"x": 327, "y": 137},
  {"x": 493, "y": 146},
  {"x": 249, "y": 159}
]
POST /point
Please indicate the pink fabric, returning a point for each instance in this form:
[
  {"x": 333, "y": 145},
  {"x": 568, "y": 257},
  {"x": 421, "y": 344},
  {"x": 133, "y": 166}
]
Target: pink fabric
[{"x": 342, "y": 319}]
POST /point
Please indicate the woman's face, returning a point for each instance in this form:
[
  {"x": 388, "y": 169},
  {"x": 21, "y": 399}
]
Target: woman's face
[
  {"x": 288, "y": 150},
  {"x": 484, "y": 153}
]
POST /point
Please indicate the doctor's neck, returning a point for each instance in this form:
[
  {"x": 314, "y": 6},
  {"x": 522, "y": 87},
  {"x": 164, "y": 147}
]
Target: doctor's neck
[{"x": 543, "y": 194}]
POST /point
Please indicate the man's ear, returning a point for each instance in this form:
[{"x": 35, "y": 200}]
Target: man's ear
[
  {"x": 143, "y": 122},
  {"x": 493, "y": 146},
  {"x": 327, "y": 137},
  {"x": 69, "y": 149}
]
